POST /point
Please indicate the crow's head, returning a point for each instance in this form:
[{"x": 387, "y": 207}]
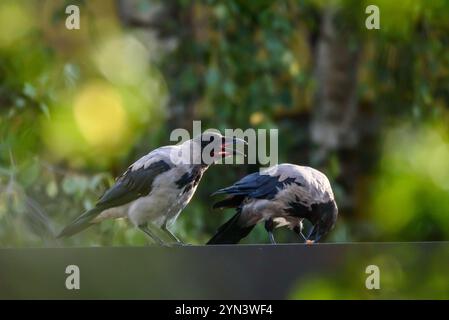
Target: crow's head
[
  {"x": 326, "y": 222},
  {"x": 212, "y": 146}
]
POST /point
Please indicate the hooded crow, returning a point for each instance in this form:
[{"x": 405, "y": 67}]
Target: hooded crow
[
  {"x": 156, "y": 188},
  {"x": 282, "y": 195}
]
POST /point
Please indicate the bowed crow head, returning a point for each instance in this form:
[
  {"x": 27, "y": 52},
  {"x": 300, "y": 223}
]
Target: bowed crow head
[{"x": 326, "y": 221}]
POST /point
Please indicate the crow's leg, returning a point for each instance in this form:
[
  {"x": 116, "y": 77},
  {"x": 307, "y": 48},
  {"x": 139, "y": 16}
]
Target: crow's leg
[
  {"x": 144, "y": 228},
  {"x": 271, "y": 236},
  {"x": 171, "y": 235},
  {"x": 298, "y": 231},
  {"x": 269, "y": 226}
]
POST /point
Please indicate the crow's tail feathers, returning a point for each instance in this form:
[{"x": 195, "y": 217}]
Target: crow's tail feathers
[
  {"x": 80, "y": 223},
  {"x": 230, "y": 202},
  {"x": 231, "y": 232}
]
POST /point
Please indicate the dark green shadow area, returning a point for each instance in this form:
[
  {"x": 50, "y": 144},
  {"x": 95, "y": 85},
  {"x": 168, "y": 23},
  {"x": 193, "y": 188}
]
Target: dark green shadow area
[{"x": 325, "y": 271}]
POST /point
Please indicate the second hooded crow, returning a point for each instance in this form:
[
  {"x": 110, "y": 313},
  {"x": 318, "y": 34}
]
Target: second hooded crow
[
  {"x": 282, "y": 195},
  {"x": 156, "y": 188}
]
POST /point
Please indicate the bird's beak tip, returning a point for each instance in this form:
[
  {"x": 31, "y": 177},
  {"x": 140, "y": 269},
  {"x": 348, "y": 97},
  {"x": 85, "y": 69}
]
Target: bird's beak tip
[{"x": 235, "y": 139}]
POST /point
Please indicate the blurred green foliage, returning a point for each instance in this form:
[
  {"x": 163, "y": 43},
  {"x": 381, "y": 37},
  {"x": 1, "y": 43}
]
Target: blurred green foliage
[
  {"x": 77, "y": 107},
  {"x": 399, "y": 274}
]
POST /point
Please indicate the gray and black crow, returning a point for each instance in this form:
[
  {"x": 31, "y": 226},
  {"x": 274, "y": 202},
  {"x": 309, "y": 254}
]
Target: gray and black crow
[
  {"x": 282, "y": 195},
  {"x": 156, "y": 188}
]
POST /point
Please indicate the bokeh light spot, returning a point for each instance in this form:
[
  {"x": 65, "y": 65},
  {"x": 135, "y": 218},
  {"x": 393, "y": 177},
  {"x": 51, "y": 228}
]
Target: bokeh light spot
[
  {"x": 123, "y": 60},
  {"x": 15, "y": 22},
  {"x": 100, "y": 116},
  {"x": 256, "y": 118}
]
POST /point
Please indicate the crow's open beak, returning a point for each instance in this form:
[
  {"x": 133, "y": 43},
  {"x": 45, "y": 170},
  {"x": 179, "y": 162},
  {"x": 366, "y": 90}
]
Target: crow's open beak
[
  {"x": 228, "y": 147},
  {"x": 232, "y": 152}
]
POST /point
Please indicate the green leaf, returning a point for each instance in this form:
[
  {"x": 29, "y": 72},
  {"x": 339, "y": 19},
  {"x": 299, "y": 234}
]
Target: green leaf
[
  {"x": 44, "y": 109},
  {"x": 29, "y": 90},
  {"x": 29, "y": 174},
  {"x": 52, "y": 189},
  {"x": 69, "y": 185}
]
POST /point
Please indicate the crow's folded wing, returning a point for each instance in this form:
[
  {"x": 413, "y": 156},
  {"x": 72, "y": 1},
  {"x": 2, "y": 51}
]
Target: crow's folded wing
[
  {"x": 133, "y": 184},
  {"x": 256, "y": 185}
]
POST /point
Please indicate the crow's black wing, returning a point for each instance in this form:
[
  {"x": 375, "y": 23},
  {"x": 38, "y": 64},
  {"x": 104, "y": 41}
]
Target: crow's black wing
[
  {"x": 132, "y": 185},
  {"x": 256, "y": 185}
]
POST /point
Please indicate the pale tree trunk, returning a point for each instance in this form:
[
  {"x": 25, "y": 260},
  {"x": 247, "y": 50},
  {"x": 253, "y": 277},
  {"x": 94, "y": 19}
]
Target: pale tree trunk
[{"x": 334, "y": 113}]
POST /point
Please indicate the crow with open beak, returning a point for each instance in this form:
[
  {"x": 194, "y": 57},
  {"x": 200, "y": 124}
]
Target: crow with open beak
[
  {"x": 156, "y": 188},
  {"x": 282, "y": 195}
]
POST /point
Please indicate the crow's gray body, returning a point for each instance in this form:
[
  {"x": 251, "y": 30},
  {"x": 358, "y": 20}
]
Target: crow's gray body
[
  {"x": 283, "y": 195},
  {"x": 157, "y": 187}
]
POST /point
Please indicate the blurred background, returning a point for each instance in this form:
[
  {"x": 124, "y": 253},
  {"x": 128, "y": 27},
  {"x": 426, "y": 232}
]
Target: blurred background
[{"x": 367, "y": 107}]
